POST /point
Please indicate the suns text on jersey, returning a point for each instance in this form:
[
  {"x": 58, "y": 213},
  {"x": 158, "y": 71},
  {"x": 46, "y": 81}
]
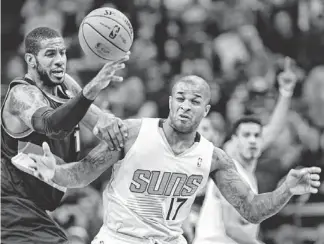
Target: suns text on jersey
[{"x": 177, "y": 184}]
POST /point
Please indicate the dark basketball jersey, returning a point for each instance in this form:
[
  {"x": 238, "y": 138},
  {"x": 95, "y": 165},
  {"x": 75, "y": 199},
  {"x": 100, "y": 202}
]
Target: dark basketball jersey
[{"x": 24, "y": 198}]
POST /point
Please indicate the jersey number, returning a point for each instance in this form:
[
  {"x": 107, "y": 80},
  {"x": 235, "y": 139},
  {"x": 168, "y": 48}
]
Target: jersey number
[{"x": 179, "y": 200}]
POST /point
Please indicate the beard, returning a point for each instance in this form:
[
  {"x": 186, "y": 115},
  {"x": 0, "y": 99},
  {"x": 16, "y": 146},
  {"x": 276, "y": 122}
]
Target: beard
[{"x": 44, "y": 77}]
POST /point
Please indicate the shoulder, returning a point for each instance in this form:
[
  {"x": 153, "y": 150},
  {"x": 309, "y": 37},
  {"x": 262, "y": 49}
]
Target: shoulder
[
  {"x": 133, "y": 126},
  {"x": 24, "y": 94},
  {"x": 23, "y": 91}
]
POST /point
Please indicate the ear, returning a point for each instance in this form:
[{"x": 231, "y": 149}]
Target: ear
[
  {"x": 30, "y": 60},
  {"x": 207, "y": 108}
]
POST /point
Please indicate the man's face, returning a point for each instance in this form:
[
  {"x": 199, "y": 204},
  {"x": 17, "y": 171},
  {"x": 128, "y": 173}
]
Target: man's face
[
  {"x": 188, "y": 106},
  {"x": 248, "y": 140},
  {"x": 51, "y": 61}
]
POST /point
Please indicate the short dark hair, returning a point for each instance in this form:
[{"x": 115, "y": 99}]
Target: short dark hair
[
  {"x": 34, "y": 37},
  {"x": 243, "y": 120}
]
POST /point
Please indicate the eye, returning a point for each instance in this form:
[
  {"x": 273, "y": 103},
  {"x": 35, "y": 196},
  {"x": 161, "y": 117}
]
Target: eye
[
  {"x": 195, "y": 102},
  {"x": 180, "y": 99},
  {"x": 50, "y": 54}
]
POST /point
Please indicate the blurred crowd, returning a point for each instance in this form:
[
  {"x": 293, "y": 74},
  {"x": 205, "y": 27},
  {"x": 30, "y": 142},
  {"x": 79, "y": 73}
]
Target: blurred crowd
[{"x": 237, "y": 46}]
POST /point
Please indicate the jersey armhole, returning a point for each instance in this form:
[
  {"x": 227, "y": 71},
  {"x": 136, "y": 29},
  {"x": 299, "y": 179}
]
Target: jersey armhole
[{"x": 124, "y": 155}]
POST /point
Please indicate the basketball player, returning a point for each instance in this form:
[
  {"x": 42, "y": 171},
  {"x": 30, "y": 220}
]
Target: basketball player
[
  {"x": 164, "y": 164},
  {"x": 38, "y": 108},
  {"x": 247, "y": 141}
]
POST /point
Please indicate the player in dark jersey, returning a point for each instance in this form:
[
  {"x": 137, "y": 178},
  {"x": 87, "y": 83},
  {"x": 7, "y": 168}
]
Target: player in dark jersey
[{"x": 42, "y": 107}]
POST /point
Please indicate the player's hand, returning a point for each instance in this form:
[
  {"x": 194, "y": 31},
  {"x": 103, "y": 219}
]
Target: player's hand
[
  {"x": 45, "y": 165},
  {"x": 302, "y": 181},
  {"x": 287, "y": 79},
  {"x": 104, "y": 77},
  {"x": 112, "y": 130}
]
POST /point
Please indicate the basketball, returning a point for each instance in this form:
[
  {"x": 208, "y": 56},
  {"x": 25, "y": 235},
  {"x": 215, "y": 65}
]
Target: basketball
[{"x": 105, "y": 34}]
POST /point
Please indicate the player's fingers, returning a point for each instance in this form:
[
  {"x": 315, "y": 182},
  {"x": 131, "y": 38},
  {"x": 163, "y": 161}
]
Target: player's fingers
[
  {"x": 315, "y": 183},
  {"x": 123, "y": 59},
  {"x": 46, "y": 149},
  {"x": 113, "y": 138},
  {"x": 36, "y": 158},
  {"x": 106, "y": 136},
  {"x": 314, "y": 177},
  {"x": 117, "y": 78},
  {"x": 313, "y": 170},
  {"x": 313, "y": 190},
  {"x": 119, "y": 137},
  {"x": 102, "y": 134},
  {"x": 123, "y": 128},
  {"x": 33, "y": 165},
  {"x": 110, "y": 70},
  {"x": 287, "y": 64}
]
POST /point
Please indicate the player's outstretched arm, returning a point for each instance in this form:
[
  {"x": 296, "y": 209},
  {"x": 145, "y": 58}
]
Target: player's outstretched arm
[
  {"x": 257, "y": 207},
  {"x": 81, "y": 173},
  {"x": 287, "y": 82},
  {"x": 76, "y": 174},
  {"x": 115, "y": 130}
]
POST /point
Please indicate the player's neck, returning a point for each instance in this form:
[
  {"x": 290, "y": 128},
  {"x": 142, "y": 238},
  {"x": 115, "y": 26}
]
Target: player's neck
[
  {"x": 40, "y": 84},
  {"x": 248, "y": 165},
  {"x": 173, "y": 136}
]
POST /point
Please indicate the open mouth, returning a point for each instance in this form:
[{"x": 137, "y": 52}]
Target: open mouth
[
  {"x": 183, "y": 116},
  {"x": 58, "y": 74}
]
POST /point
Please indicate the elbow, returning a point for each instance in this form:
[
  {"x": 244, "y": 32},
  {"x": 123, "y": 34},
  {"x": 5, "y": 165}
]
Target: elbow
[
  {"x": 252, "y": 217},
  {"x": 254, "y": 220}
]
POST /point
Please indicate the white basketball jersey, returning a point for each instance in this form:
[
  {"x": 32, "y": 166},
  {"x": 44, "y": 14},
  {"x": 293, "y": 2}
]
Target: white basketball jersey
[
  {"x": 152, "y": 189},
  {"x": 212, "y": 230}
]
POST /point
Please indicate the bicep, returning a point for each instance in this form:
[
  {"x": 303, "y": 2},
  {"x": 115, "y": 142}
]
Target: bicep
[
  {"x": 230, "y": 183},
  {"x": 24, "y": 101}
]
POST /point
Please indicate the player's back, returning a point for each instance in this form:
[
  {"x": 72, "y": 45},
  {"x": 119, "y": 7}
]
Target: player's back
[{"x": 152, "y": 189}]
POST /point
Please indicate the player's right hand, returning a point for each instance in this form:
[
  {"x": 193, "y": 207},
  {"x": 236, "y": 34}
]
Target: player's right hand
[
  {"x": 45, "y": 164},
  {"x": 104, "y": 77},
  {"x": 303, "y": 181},
  {"x": 112, "y": 130},
  {"x": 287, "y": 79}
]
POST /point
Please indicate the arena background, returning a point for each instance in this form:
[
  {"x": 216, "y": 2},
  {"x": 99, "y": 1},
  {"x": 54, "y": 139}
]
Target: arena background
[{"x": 238, "y": 46}]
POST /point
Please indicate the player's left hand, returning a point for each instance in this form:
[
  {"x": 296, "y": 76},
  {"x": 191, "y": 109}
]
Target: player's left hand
[
  {"x": 287, "y": 79},
  {"x": 112, "y": 130},
  {"x": 45, "y": 164},
  {"x": 302, "y": 181}
]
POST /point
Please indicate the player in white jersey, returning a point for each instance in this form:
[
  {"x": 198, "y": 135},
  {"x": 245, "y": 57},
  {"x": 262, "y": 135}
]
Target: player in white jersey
[
  {"x": 247, "y": 141},
  {"x": 163, "y": 166}
]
